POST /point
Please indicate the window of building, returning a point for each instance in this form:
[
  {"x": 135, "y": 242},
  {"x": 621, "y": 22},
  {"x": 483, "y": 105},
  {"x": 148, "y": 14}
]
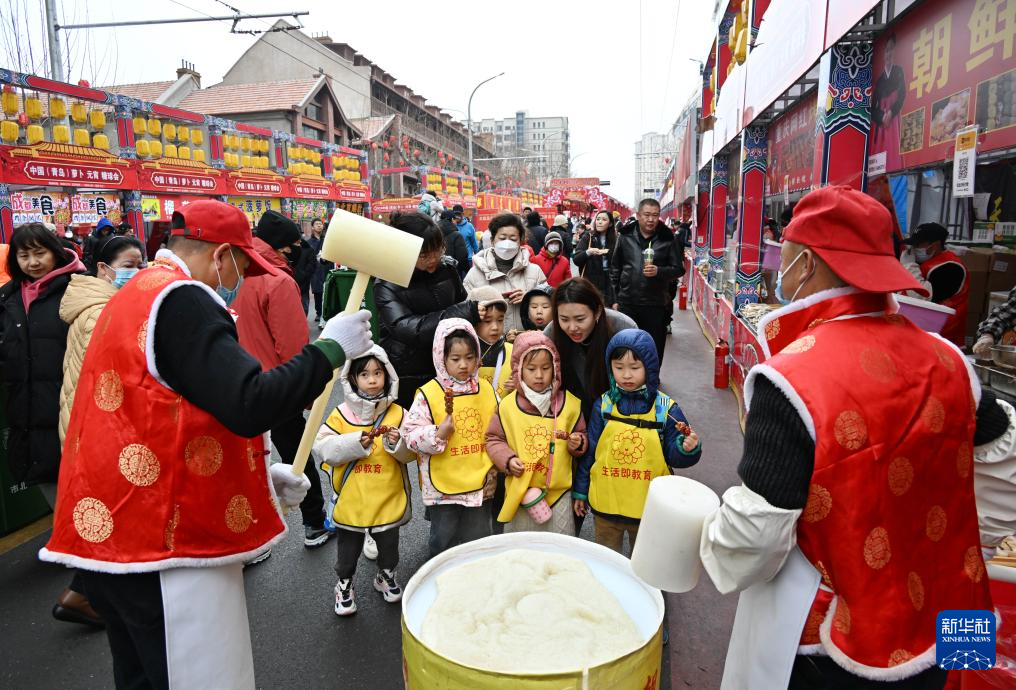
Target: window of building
[
  {"x": 311, "y": 132},
  {"x": 313, "y": 111}
]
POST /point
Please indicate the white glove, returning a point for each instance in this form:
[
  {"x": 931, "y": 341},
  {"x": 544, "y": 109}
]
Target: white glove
[
  {"x": 982, "y": 348},
  {"x": 350, "y": 331},
  {"x": 290, "y": 488}
]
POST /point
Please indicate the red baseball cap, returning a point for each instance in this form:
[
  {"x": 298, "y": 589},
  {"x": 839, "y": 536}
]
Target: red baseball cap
[
  {"x": 853, "y": 234},
  {"x": 220, "y": 223}
]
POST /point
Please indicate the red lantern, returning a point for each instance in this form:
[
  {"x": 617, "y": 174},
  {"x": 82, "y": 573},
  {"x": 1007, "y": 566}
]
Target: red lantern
[
  {"x": 416, "y": 153},
  {"x": 386, "y": 157},
  {"x": 373, "y": 146}
]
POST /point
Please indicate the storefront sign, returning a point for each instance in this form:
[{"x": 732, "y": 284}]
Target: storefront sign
[
  {"x": 307, "y": 209},
  {"x": 352, "y": 191},
  {"x": 792, "y": 148},
  {"x": 160, "y": 208},
  {"x": 574, "y": 182},
  {"x": 965, "y": 162},
  {"x": 254, "y": 208},
  {"x": 394, "y": 204},
  {"x": 74, "y": 175},
  {"x": 307, "y": 189},
  {"x": 178, "y": 182},
  {"x": 89, "y": 208},
  {"x": 40, "y": 207},
  {"x": 259, "y": 187},
  {"x": 947, "y": 64}
]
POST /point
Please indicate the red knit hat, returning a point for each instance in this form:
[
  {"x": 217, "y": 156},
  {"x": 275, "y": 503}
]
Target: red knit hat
[{"x": 853, "y": 234}]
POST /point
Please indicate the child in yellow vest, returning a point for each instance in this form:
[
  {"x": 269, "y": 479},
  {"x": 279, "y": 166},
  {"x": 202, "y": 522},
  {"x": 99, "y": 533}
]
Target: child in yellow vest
[
  {"x": 537, "y": 430},
  {"x": 362, "y": 450},
  {"x": 445, "y": 428},
  {"x": 636, "y": 433},
  {"x": 495, "y": 351}
]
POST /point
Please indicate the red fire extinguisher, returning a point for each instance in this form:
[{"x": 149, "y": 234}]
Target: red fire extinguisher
[
  {"x": 682, "y": 297},
  {"x": 721, "y": 372}
]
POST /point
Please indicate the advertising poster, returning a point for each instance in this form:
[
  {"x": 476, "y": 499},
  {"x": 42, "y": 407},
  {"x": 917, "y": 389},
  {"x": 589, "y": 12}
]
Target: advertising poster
[{"x": 254, "y": 207}]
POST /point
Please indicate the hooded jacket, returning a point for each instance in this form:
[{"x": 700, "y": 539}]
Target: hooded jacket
[
  {"x": 32, "y": 351},
  {"x": 523, "y": 275},
  {"x": 271, "y": 322},
  {"x": 497, "y": 444},
  {"x": 630, "y": 285},
  {"x": 556, "y": 269},
  {"x": 103, "y": 229},
  {"x": 527, "y": 324},
  {"x": 455, "y": 246},
  {"x": 80, "y": 307},
  {"x": 635, "y": 402},
  {"x": 420, "y": 432}
]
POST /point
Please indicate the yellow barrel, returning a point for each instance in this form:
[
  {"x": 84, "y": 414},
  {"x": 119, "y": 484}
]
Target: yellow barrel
[{"x": 423, "y": 668}]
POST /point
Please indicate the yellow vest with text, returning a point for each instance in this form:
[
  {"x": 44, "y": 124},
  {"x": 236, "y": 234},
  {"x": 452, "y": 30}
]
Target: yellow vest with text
[
  {"x": 487, "y": 373},
  {"x": 462, "y": 468}
]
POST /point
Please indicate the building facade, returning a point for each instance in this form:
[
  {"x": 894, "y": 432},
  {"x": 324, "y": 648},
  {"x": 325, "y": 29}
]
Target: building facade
[
  {"x": 653, "y": 154},
  {"x": 539, "y": 147}
]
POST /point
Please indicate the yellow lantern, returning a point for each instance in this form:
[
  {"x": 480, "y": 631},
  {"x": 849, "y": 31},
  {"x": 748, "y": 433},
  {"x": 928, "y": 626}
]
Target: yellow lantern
[
  {"x": 741, "y": 49},
  {"x": 101, "y": 141},
  {"x": 154, "y": 127},
  {"x": 245, "y": 160},
  {"x": 139, "y": 125},
  {"x": 197, "y": 137},
  {"x": 183, "y": 152},
  {"x": 10, "y": 103},
  {"x": 245, "y": 143},
  {"x": 170, "y": 149},
  {"x": 61, "y": 134},
  {"x": 9, "y": 131},
  {"x": 169, "y": 130},
  {"x": 712, "y": 80},
  {"x": 57, "y": 108},
  {"x": 78, "y": 113},
  {"x": 265, "y": 145},
  {"x": 81, "y": 137},
  {"x": 199, "y": 155},
  {"x": 33, "y": 108},
  {"x": 97, "y": 119},
  {"x": 265, "y": 163},
  {"x": 156, "y": 146},
  {"x": 35, "y": 134},
  {"x": 183, "y": 133},
  {"x": 143, "y": 148}
]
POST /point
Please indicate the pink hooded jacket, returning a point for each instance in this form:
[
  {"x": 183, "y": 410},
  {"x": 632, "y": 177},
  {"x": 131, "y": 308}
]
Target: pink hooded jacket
[
  {"x": 497, "y": 444},
  {"x": 420, "y": 432}
]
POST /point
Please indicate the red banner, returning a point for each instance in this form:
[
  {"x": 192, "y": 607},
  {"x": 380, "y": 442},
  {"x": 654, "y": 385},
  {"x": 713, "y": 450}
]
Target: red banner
[
  {"x": 255, "y": 186},
  {"x": 349, "y": 191},
  {"x": 311, "y": 190},
  {"x": 574, "y": 182},
  {"x": 156, "y": 177},
  {"x": 394, "y": 204},
  {"x": 65, "y": 166},
  {"x": 946, "y": 64},
  {"x": 792, "y": 148}
]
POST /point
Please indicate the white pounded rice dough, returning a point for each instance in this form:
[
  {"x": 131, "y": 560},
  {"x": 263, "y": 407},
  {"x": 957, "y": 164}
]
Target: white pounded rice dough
[{"x": 526, "y": 611}]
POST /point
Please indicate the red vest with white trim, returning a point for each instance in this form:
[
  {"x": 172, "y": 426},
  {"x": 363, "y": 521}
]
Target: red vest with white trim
[
  {"x": 149, "y": 481},
  {"x": 890, "y": 521},
  {"x": 956, "y": 327}
]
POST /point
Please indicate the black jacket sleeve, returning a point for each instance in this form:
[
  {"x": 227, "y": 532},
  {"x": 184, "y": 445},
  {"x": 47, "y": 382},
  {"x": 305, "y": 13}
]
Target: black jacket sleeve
[
  {"x": 671, "y": 267},
  {"x": 581, "y": 257},
  {"x": 616, "y": 267},
  {"x": 408, "y": 327},
  {"x": 946, "y": 281},
  {"x": 199, "y": 356}
]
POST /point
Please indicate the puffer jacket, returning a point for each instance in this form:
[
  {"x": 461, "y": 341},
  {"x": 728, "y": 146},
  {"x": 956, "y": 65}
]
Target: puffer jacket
[
  {"x": 557, "y": 269},
  {"x": 523, "y": 275},
  {"x": 592, "y": 267},
  {"x": 409, "y": 317},
  {"x": 31, "y": 362},
  {"x": 631, "y": 287},
  {"x": 270, "y": 320},
  {"x": 82, "y": 303}
]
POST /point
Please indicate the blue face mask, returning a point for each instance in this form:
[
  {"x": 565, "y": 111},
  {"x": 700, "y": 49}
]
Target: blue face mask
[
  {"x": 921, "y": 255},
  {"x": 122, "y": 276},
  {"x": 780, "y": 297},
  {"x": 227, "y": 295}
]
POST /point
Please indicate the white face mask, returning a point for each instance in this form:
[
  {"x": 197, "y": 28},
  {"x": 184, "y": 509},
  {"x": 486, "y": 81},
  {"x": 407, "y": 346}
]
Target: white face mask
[
  {"x": 506, "y": 249},
  {"x": 553, "y": 248}
]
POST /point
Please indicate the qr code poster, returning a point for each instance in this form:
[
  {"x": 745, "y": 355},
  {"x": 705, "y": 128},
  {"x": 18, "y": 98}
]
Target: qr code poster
[{"x": 965, "y": 640}]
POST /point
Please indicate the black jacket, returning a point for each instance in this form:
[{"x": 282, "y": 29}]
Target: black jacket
[
  {"x": 305, "y": 266},
  {"x": 455, "y": 246},
  {"x": 409, "y": 317},
  {"x": 92, "y": 243},
  {"x": 591, "y": 267},
  {"x": 631, "y": 287},
  {"x": 535, "y": 235},
  {"x": 31, "y": 368}
]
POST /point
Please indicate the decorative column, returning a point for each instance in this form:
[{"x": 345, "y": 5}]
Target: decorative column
[
  {"x": 327, "y": 151},
  {"x": 717, "y": 213},
  {"x": 6, "y": 214},
  {"x": 215, "y": 148},
  {"x": 125, "y": 132},
  {"x": 754, "y": 157},
  {"x": 135, "y": 217},
  {"x": 844, "y": 116},
  {"x": 723, "y": 52},
  {"x": 701, "y": 239},
  {"x": 280, "y": 149}
]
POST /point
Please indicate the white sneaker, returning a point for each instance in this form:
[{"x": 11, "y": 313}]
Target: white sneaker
[
  {"x": 259, "y": 557},
  {"x": 345, "y": 601},
  {"x": 387, "y": 585},
  {"x": 320, "y": 324},
  {"x": 369, "y": 547}
]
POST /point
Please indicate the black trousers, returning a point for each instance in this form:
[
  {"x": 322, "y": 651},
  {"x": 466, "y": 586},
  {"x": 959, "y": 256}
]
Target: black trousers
[
  {"x": 131, "y": 606},
  {"x": 286, "y": 439},
  {"x": 496, "y": 504},
  {"x": 319, "y": 298},
  {"x": 350, "y": 544},
  {"x": 822, "y": 673},
  {"x": 651, "y": 319}
]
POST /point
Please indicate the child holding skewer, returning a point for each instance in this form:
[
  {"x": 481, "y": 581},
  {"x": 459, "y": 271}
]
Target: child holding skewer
[
  {"x": 636, "y": 433},
  {"x": 362, "y": 450}
]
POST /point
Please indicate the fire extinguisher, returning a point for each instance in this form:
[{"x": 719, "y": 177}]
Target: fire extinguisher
[
  {"x": 721, "y": 373},
  {"x": 682, "y": 297}
]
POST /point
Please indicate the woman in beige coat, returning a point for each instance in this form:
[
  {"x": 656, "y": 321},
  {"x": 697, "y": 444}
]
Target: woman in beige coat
[{"x": 506, "y": 267}]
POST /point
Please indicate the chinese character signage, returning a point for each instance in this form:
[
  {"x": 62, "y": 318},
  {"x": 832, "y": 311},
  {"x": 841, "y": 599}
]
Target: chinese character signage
[
  {"x": 258, "y": 187},
  {"x": 89, "y": 208},
  {"x": 946, "y": 65},
  {"x": 965, "y": 162},
  {"x": 40, "y": 167},
  {"x": 308, "y": 209},
  {"x": 40, "y": 207},
  {"x": 353, "y": 191},
  {"x": 965, "y": 640},
  {"x": 172, "y": 181},
  {"x": 792, "y": 148},
  {"x": 254, "y": 207}
]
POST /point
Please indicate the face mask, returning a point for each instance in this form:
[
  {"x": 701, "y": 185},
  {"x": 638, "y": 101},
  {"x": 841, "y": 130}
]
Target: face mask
[
  {"x": 222, "y": 291},
  {"x": 553, "y": 248},
  {"x": 921, "y": 255},
  {"x": 294, "y": 253},
  {"x": 122, "y": 276},
  {"x": 506, "y": 249},
  {"x": 779, "y": 284}
]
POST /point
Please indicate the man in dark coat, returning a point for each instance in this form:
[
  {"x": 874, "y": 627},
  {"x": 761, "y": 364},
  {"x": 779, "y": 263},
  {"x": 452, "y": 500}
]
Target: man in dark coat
[
  {"x": 455, "y": 244},
  {"x": 103, "y": 229},
  {"x": 535, "y": 232}
]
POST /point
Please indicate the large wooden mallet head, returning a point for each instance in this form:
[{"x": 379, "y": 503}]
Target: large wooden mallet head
[{"x": 373, "y": 249}]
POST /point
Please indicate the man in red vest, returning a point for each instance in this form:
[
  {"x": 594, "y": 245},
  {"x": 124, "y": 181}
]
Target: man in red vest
[
  {"x": 164, "y": 481},
  {"x": 855, "y": 523},
  {"x": 941, "y": 273}
]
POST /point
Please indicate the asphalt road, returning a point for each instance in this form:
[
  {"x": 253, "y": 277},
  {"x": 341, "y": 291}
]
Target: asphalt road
[{"x": 298, "y": 640}]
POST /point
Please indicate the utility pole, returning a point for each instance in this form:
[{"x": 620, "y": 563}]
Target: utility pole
[
  {"x": 55, "y": 51},
  {"x": 469, "y": 119}
]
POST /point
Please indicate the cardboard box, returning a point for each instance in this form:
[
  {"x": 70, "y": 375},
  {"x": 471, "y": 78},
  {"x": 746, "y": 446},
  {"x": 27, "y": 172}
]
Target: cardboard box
[
  {"x": 977, "y": 303},
  {"x": 1003, "y": 272},
  {"x": 977, "y": 259}
]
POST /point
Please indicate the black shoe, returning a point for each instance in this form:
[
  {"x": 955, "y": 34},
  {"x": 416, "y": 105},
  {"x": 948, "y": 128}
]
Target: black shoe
[
  {"x": 73, "y": 607},
  {"x": 314, "y": 537}
]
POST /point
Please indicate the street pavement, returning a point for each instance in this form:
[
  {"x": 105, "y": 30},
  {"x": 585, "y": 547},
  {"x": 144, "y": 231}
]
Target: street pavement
[{"x": 298, "y": 640}]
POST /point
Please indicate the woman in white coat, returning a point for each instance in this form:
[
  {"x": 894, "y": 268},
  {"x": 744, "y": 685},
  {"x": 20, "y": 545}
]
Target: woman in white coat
[{"x": 505, "y": 267}]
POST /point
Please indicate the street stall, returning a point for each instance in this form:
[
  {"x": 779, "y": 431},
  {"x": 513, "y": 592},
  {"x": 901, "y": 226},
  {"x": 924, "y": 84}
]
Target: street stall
[
  {"x": 382, "y": 209},
  {"x": 577, "y": 195},
  {"x": 489, "y": 204},
  {"x": 167, "y": 185}
]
